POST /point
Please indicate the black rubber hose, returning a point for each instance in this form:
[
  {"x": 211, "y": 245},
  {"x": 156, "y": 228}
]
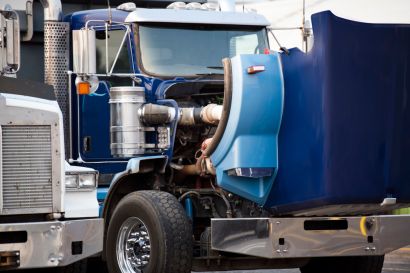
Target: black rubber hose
[{"x": 225, "y": 110}]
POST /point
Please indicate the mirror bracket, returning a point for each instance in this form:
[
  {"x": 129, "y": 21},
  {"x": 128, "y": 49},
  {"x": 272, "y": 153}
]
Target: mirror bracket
[{"x": 9, "y": 41}]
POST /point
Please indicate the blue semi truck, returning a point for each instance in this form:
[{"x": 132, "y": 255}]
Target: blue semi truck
[{"x": 216, "y": 153}]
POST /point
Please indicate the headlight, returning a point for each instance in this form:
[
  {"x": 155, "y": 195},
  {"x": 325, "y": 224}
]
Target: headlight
[
  {"x": 86, "y": 181},
  {"x": 71, "y": 181}
]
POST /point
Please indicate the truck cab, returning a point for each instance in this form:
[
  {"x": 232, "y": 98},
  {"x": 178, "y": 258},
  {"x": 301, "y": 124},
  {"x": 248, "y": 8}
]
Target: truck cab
[
  {"x": 48, "y": 208},
  {"x": 188, "y": 115}
]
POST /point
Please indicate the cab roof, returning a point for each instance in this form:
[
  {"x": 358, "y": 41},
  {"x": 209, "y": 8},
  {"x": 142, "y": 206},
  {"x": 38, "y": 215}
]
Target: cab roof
[{"x": 182, "y": 16}]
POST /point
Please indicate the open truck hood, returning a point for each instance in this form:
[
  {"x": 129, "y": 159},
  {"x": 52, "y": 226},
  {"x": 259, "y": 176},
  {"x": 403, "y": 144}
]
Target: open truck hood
[{"x": 344, "y": 142}]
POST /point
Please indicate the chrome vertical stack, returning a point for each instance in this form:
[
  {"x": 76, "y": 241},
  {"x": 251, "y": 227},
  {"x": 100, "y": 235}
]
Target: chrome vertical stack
[{"x": 56, "y": 65}]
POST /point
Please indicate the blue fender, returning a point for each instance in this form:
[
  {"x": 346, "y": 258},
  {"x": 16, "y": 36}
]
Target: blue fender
[
  {"x": 133, "y": 167},
  {"x": 246, "y": 158}
]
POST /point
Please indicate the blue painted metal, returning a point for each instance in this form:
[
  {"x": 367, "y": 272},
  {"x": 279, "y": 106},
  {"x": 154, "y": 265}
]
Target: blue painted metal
[
  {"x": 134, "y": 164},
  {"x": 78, "y": 19},
  {"x": 133, "y": 167},
  {"x": 250, "y": 138},
  {"x": 345, "y": 135},
  {"x": 189, "y": 209},
  {"x": 101, "y": 195}
]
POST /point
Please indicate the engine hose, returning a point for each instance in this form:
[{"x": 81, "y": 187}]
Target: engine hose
[
  {"x": 225, "y": 111},
  {"x": 188, "y": 193},
  {"x": 228, "y": 205}
]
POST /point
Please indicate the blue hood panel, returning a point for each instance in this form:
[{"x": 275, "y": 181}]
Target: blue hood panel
[
  {"x": 250, "y": 138},
  {"x": 345, "y": 134}
]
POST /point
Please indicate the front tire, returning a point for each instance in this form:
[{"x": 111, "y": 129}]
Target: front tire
[
  {"x": 365, "y": 264},
  {"x": 149, "y": 232}
]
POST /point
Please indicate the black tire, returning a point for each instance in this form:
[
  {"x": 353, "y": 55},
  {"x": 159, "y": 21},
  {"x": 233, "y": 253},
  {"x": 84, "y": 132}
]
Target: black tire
[
  {"x": 170, "y": 232},
  {"x": 77, "y": 267},
  {"x": 365, "y": 264}
]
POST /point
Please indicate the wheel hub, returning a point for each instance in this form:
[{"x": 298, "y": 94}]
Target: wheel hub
[{"x": 133, "y": 246}]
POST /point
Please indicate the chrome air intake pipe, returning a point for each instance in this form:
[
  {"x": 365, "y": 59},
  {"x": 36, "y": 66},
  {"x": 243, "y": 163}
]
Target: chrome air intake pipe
[
  {"x": 53, "y": 10},
  {"x": 56, "y": 57},
  {"x": 154, "y": 114}
]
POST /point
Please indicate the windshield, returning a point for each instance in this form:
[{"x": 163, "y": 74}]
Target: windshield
[{"x": 195, "y": 50}]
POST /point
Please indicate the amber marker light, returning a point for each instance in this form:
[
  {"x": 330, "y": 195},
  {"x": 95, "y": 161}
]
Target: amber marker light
[
  {"x": 256, "y": 69},
  {"x": 83, "y": 88}
]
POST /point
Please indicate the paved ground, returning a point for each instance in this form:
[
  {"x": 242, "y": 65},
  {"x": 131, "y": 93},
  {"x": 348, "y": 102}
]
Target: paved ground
[{"x": 396, "y": 262}]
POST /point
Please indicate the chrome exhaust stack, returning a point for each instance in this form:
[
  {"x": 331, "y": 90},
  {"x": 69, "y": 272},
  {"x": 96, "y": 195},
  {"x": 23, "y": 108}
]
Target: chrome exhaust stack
[
  {"x": 56, "y": 57},
  {"x": 227, "y": 5},
  {"x": 53, "y": 10}
]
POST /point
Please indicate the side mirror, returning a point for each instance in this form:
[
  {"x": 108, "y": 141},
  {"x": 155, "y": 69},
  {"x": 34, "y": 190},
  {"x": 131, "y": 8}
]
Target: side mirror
[
  {"x": 84, "y": 52},
  {"x": 10, "y": 41}
]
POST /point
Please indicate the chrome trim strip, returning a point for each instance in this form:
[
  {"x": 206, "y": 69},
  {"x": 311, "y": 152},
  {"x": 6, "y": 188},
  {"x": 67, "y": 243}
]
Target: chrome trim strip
[{"x": 287, "y": 237}]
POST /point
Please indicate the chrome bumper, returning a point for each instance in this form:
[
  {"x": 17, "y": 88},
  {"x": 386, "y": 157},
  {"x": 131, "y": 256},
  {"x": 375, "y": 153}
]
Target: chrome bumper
[
  {"x": 311, "y": 237},
  {"x": 51, "y": 244}
]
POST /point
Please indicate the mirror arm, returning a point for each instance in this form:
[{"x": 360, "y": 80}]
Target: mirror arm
[{"x": 106, "y": 48}]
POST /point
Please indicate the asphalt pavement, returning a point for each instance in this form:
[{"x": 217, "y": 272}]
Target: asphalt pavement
[{"x": 396, "y": 262}]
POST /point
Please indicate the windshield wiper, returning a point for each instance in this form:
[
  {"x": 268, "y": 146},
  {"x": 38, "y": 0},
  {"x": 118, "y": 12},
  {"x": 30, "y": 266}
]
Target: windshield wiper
[
  {"x": 208, "y": 75},
  {"x": 215, "y": 67}
]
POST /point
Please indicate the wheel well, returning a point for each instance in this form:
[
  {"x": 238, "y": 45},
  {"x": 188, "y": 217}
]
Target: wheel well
[{"x": 122, "y": 187}]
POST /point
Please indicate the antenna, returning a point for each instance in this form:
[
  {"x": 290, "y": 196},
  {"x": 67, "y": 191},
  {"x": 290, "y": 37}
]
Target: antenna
[
  {"x": 304, "y": 35},
  {"x": 109, "y": 12}
]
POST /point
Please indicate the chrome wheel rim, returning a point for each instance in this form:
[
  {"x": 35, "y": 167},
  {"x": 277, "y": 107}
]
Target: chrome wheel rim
[{"x": 133, "y": 246}]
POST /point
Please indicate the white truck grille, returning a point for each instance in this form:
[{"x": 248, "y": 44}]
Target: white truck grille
[{"x": 26, "y": 169}]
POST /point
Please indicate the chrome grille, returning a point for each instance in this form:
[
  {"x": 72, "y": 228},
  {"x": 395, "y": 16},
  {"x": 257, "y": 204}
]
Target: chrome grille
[{"x": 26, "y": 168}]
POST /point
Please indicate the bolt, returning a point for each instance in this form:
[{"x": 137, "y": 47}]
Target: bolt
[
  {"x": 285, "y": 251},
  {"x": 146, "y": 248},
  {"x": 145, "y": 257},
  {"x": 278, "y": 251},
  {"x": 52, "y": 260},
  {"x": 367, "y": 248},
  {"x": 277, "y": 222}
]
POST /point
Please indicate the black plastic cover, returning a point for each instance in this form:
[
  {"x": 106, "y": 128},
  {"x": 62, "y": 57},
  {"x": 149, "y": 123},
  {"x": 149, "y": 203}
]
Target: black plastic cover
[{"x": 26, "y": 88}]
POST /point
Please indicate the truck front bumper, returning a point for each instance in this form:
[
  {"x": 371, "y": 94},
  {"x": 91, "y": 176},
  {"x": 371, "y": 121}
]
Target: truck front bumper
[
  {"x": 311, "y": 237},
  {"x": 49, "y": 244}
]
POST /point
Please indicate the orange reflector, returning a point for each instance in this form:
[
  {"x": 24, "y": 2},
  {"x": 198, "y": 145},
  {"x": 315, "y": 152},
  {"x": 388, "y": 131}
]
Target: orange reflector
[
  {"x": 255, "y": 69},
  {"x": 83, "y": 88}
]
